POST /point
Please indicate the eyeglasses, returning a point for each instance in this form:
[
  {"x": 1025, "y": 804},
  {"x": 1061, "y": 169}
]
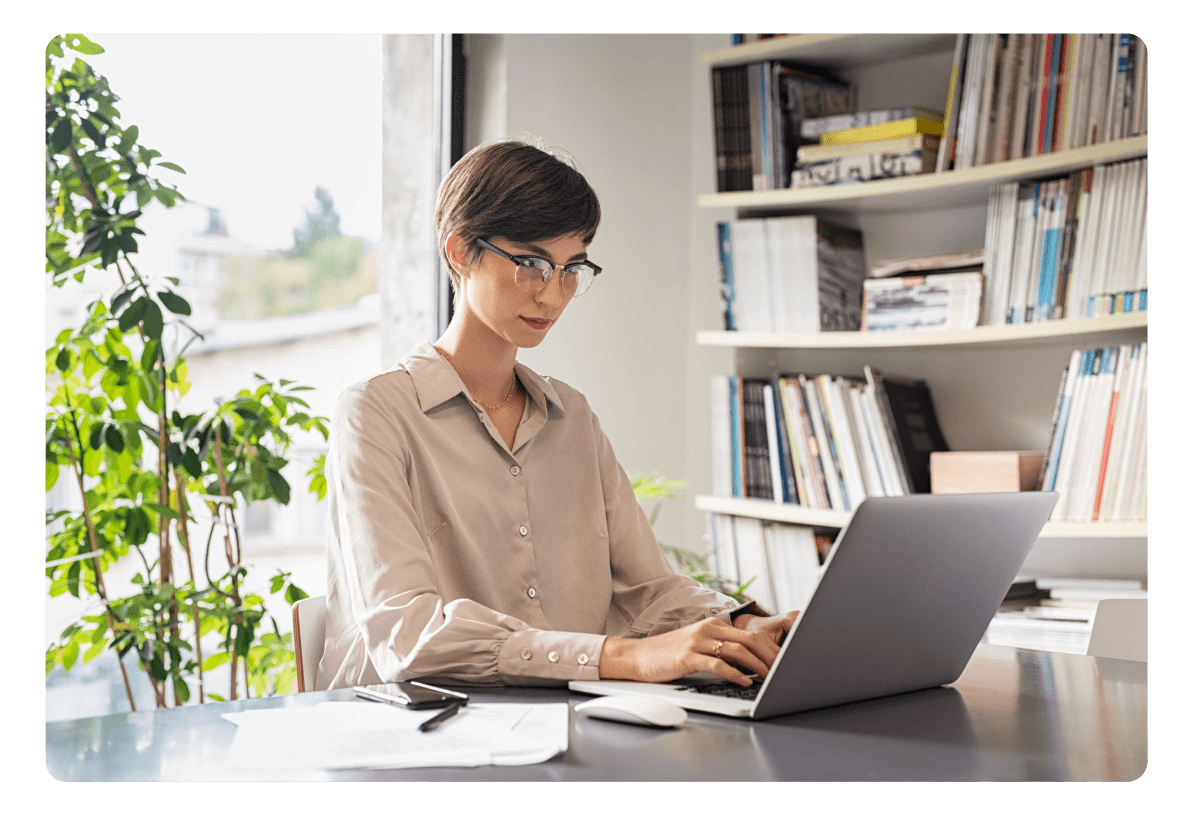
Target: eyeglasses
[{"x": 533, "y": 273}]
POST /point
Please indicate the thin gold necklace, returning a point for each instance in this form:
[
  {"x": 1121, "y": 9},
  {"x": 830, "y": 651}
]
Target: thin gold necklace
[{"x": 486, "y": 406}]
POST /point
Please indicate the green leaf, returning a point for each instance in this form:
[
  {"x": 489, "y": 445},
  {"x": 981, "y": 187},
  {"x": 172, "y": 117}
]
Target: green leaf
[
  {"x": 279, "y": 486},
  {"x": 152, "y": 322},
  {"x": 51, "y": 475},
  {"x": 171, "y": 166},
  {"x": 182, "y": 692},
  {"x": 191, "y": 463},
  {"x": 133, "y": 315},
  {"x": 82, "y": 44},
  {"x": 60, "y": 140},
  {"x": 70, "y": 655},
  {"x": 243, "y": 639},
  {"x": 294, "y": 594},
  {"x": 93, "y": 651},
  {"x": 94, "y": 436},
  {"x": 214, "y": 660},
  {"x": 112, "y": 435},
  {"x": 63, "y": 361},
  {"x": 175, "y": 303}
]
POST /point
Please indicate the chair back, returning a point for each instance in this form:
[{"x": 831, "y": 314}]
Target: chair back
[
  {"x": 308, "y": 638},
  {"x": 1120, "y": 629}
]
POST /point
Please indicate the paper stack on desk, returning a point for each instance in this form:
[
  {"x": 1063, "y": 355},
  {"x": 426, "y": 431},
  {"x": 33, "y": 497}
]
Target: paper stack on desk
[{"x": 340, "y": 735}]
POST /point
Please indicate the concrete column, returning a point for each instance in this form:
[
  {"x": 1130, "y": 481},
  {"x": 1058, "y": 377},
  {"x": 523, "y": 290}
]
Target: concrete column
[{"x": 408, "y": 273}]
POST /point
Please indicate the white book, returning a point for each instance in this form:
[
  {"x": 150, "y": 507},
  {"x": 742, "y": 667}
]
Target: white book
[
  {"x": 779, "y": 266},
  {"x": 1133, "y": 475},
  {"x": 802, "y": 548},
  {"x": 969, "y": 113},
  {"x": 1005, "y": 253},
  {"x": 1128, "y": 453},
  {"x": 750, "y": 274},
  {"x": 751, "y": 545},
  {"x": 1088, "y": 583},
  {"x": 798, "y": 443},
  {"x": 883, "y": 428},
  {"x": 881, "y": 445},
  {"x": 1082, "y": 90},
  {"x": 999, "y": 139},
  {"x": 986, "y": 121},
  {"x": 1106, "y": 239},
  {"x": 1067, "y": 404},
  {"x": 1136, "y": 229},
  {"x": 1099, "y": 87},
  {"x": 834, "y": 485},
  {"x": 1046, "y": 195},
  {"x": 1076, "y": 297},
  {"x": 868, "y": 462},
  {"x": 874, "y": 444},
  {"x": 1115, "y": 281},
  {"x": 1093, "y": 245},
  {"x": 844, "y": 442},
  {"x": 1107, "y": 453},
  {"x": 1027, "y": 219},
  {"x": 1021, "y": 102},
  {"x": 725, "y": 555},
  {"x": 773, "y": 444},
  {"x": 1076, "y": 418},
  {"x": 1127, "y": 368},
  {"x": 954, "y": 95}
]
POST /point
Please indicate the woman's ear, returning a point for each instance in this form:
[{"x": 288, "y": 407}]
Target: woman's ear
[{"x": 454, "y": 252}]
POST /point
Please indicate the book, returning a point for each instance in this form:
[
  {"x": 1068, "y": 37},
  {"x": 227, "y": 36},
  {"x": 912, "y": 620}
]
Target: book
[
  {"x": 783, "y": 562},
  {"x": 815, "y": 127},
  {"x": 1067, "y": 247},
  {"x": 931, "y": 263},
  {"x": 936, "y": 301},
  {"x": 758, "y": 111},
  {"x": 864, "y": 167},
  {"x": 901, "y": 144},
  {"x": 820, "y": 441},
  {"x": 1096, "y": 456},
  {"x": 1012, "y": 96},
  {"x": 885, "y": 130},
  {"x": 793, "y": 274},
  {"x": 910, "y": 405},
  {"x": 984, "y": 471}
]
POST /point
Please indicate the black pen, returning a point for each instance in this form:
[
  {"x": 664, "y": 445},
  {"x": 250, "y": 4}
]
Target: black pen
[{"x": 442, "y": 716}]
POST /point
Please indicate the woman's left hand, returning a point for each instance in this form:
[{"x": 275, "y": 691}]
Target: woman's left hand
[{"x": 775, "y": 627}]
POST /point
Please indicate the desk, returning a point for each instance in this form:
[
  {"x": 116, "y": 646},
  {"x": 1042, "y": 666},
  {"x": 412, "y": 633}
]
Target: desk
[{"x": 1015, "y": 714}]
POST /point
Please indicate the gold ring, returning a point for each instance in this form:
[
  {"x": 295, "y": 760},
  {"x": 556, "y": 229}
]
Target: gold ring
[{"x": 717, "y": 644}]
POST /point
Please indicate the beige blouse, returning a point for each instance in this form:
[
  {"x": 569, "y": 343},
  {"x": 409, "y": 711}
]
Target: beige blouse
[{"x": 454, "y": 558}]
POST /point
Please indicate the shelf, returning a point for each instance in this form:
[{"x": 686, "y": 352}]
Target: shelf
[
  {"x": 928, "y": 190},
  {"x": 1086, "y": 330},
  {"x": 832, "y": 51},
  {"x": 794, "y": 514}
]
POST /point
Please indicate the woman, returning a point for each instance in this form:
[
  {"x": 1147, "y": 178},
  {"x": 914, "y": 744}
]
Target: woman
[{"x": 483, "y": 530}]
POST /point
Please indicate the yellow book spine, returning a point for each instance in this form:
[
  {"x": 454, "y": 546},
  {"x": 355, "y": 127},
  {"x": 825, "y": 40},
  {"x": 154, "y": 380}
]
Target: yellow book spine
[{"x": 885, "y": 130}]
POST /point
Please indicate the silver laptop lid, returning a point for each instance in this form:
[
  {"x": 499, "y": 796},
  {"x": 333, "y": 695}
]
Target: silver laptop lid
[{"x": 910, "y": 588}]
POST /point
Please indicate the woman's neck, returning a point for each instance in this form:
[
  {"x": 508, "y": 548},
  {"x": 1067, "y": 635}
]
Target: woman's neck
[{"x": 485, "y": 364}]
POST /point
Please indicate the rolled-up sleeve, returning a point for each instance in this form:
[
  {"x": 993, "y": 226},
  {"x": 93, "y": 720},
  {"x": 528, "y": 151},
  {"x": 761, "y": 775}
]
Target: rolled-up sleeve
[{"x": 647, "y": 593}]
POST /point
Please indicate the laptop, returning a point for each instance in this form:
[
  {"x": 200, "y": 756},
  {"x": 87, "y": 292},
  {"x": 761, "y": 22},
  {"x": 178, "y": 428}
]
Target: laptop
[{"x": 909, "y": 588}]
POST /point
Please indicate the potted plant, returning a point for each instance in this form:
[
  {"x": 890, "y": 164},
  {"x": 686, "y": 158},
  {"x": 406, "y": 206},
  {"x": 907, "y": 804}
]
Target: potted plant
[{"x": 156, "y": 485}]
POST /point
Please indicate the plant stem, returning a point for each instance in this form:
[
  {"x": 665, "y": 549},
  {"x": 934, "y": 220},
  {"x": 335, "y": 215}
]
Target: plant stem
[
  {"x": 229, "y": 555},
  {"x": 87, "y": 520},
  {"x": 181, "y": 529}
]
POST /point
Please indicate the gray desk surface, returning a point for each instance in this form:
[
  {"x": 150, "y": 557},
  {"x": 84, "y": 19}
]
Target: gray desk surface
[{"x": 1013, "y": 715}]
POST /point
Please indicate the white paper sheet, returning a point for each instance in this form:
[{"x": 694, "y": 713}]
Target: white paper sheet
[{"x": 339, "y": 735}]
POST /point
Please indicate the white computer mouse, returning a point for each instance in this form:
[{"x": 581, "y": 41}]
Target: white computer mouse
[{"x": 637, "y": 710}]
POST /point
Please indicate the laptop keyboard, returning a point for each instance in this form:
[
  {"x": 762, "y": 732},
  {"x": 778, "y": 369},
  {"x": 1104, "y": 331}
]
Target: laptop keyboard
[{"x": 728, "y": 690}]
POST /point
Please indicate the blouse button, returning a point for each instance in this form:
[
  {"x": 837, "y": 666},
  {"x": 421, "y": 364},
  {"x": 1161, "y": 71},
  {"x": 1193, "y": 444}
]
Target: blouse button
[
  {"x": 582, "y": 660},
  {"x": 525, "y": 654},
  {"x": 523, "y": 530},
  {"x": 515, "y": 470},
  {"x": 532, "y": 592},
  {"x": 553, "y": 657}
]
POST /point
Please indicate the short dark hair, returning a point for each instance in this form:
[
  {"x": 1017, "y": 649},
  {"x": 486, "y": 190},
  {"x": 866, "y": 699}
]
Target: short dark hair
[{"x": 516, "y": 190}]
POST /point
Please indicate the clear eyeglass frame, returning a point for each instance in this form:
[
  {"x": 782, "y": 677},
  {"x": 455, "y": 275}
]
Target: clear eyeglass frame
[{"x": 532, "y": 273}]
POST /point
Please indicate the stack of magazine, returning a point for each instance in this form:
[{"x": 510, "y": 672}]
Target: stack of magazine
[{"x": 1055, "y": 614}]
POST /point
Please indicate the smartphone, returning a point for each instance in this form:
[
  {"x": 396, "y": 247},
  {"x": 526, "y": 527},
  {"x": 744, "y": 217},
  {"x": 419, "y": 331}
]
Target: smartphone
[{"x": 411, "y": 694}]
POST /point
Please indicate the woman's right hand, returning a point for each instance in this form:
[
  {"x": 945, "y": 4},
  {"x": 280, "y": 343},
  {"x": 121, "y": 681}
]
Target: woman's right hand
[{"x": 709, "y": 645}]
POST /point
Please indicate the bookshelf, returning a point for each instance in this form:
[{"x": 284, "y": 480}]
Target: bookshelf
[
  {"x": 952, "y": 188},
  {"x": 994, "y": 385}
]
